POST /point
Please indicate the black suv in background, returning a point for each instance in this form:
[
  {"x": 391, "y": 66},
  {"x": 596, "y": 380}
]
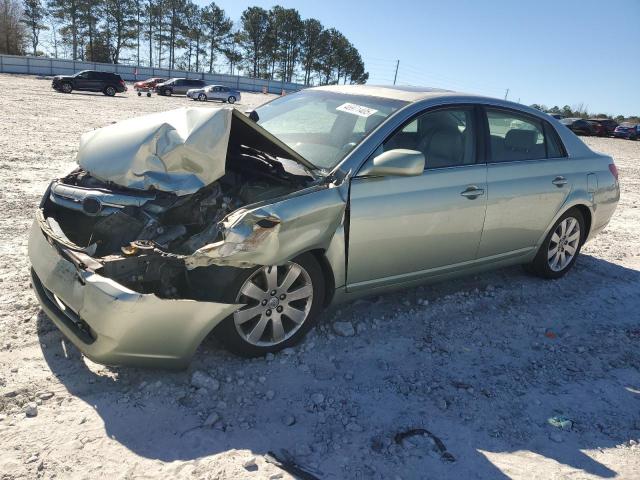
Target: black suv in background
[
  {"x": 90, "y": 81},
  {"x": 178, "y": 86}
]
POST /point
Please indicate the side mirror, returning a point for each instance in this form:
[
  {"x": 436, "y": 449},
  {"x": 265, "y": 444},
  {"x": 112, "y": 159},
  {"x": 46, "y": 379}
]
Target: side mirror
[{"x": 397, "y": 162}]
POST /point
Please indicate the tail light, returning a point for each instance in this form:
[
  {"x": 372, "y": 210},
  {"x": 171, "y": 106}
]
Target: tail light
[{"x": 614, "y": 171}]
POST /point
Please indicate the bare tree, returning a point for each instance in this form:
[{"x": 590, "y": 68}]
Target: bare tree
[{"x": 68, "y": 13}]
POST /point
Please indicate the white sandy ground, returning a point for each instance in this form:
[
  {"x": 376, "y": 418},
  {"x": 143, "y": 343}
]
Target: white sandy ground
[{"x": 473, "y": 366}]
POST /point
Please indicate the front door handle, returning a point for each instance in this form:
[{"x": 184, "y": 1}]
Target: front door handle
[
  {"x": 559, "y": 181},
  {"x": 472, "y": 192}
]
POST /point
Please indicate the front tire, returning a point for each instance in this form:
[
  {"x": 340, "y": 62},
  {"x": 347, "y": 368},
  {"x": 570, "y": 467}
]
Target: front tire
[
  {"x": 66, "y": 88},
  {"x": 202, "y": 97},
  {"x": 561, "y": 247},
  {"x": 282, "y": 304}
]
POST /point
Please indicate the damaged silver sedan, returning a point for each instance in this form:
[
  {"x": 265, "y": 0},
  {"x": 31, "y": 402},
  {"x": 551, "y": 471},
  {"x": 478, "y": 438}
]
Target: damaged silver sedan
[{"x": 179, "y": 224}]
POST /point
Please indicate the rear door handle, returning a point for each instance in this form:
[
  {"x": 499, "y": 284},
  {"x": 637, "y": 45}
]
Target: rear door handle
[
  {"x": 559, "y": 181},
  {"x": 472, "y": 192}
]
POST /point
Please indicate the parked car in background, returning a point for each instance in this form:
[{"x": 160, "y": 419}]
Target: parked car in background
[
  {"x": 603, "y": 127},
  {"x": 214, "y": 92},
  {"x": 627, "y": 130},
  {"x": 557, "y": 116},
  {"x": 578, "y": 126},
  {"x": 148, "y": 83},
  {"x": 90, "y": 81},
  {"x": 250, "y": 226},
  {"x": 178, "y": 86}
]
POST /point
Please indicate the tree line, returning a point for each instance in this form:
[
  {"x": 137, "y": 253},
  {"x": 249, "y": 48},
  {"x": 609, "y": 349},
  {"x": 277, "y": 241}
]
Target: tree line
[
  {"x": 581, "y": 111},
  {"x": 179, "y": 34}
]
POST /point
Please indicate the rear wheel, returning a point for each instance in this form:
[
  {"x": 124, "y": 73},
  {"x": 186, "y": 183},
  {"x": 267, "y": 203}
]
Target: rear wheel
[
  {"x": 281, "y": 305},
  {"x": 110, "y": 91},
  {"x": 231, "y": 99},
  {"x": 561, "y": 247},
  {"x": 66, "y": 87}
]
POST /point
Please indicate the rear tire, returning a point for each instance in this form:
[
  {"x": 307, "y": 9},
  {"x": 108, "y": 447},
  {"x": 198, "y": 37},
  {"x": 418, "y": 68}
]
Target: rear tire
[
  {"x": 109, "y": 91},
  {"x": 231, "y": 99},
  {"x": 279, "y": 330},
  {"x": 561, "y": 247}
]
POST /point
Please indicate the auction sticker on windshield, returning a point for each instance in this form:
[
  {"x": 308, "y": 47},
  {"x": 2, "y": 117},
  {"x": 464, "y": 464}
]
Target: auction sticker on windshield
[{"x": 356, "y": 109}]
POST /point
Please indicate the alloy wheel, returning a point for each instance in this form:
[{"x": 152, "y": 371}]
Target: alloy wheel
[
  {"x": 278, "y": 301},
  {"x": 564, "y": 244}
]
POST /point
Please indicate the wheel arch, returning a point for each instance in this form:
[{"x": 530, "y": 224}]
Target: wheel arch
[
  {"x": 327, "y": 274},
  {"x": 582, "y": 207}
]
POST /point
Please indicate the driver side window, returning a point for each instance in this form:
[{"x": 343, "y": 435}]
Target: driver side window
[{"x": 446, "y": 137}]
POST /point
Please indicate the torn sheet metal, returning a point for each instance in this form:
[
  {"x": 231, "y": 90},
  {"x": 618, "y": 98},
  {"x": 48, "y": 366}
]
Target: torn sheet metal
[
  {"x": 177, "y": 151},
  {"x": 272, "y": 234}
]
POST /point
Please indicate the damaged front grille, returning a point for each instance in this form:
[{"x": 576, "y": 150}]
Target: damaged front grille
[{"x": 142, "y": 237}]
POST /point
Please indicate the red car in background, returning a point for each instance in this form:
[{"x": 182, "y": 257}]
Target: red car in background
[
  {"x": 148, "y": 84},
  {"x": 603, "y": 127}
]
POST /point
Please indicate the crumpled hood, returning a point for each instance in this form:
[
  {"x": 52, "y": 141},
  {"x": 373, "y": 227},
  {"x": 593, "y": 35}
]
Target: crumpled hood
[{"x": 177, "y": 151}]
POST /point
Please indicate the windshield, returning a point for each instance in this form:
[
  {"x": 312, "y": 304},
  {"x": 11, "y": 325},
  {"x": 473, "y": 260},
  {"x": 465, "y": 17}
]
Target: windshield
[{"x": 323, "y": 127}]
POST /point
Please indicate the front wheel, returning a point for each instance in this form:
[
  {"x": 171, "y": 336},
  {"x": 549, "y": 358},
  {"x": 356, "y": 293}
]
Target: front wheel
[
  {"x": 202, "y": 97},
  {"x": 281, "y": 305},
  {"x": 66, "y": 88},
  {"x": 561, "y": 247}
]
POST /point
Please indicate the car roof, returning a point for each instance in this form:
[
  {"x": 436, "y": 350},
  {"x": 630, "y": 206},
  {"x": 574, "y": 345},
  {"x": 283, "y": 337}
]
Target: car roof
[{"x": 394, "y": 92}]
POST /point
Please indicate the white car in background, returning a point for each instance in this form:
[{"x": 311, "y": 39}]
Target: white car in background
[{"x": 214, "y": 92}]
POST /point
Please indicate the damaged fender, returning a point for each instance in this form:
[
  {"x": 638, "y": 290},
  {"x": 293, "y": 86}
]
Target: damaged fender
[{"x": 274, "y": 233}]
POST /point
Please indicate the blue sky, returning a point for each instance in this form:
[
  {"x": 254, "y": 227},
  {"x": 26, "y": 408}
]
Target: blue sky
[{"x": 544, "y": 51}]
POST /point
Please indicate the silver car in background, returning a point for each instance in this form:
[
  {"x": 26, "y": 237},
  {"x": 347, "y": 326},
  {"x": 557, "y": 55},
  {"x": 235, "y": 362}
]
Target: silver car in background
[{"x": 214, "y": 92}]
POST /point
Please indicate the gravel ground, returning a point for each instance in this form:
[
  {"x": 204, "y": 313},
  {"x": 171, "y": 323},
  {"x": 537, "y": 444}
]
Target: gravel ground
[{"x": 481, "y": 363}]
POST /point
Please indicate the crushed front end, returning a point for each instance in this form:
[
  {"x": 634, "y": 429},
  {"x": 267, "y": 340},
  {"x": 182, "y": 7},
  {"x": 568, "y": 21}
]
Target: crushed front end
[{"x": 135, "y": 274}]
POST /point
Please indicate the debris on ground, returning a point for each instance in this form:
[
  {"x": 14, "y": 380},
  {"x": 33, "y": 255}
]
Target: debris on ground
[
  {"x": 560, "y": 421},
  {"x": 401, "y": 437},
  {"x": 286, "y": 463}
]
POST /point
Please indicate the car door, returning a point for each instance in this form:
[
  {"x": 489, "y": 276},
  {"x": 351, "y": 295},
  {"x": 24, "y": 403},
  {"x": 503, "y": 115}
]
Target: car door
[
  {"x": 180, "y": 87},
  {"x": 82, "y": 81},
  {"x": 528, "y": 181},
  {"x": 215, "y": 93},
  {"x": 401, "y": 228}
]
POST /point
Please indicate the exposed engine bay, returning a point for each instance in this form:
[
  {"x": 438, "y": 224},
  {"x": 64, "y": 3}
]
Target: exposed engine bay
[{"x": 140, "y": 238}]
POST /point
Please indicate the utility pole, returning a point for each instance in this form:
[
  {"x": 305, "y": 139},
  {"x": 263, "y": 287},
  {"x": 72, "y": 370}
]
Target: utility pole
[
  {"x": 396, "y": 75},
  {"x": 506, "y": 94}
]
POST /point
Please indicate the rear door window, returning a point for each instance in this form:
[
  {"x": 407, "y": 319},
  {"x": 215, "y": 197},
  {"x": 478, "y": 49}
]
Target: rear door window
[{"x": 514, "y": 137}]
